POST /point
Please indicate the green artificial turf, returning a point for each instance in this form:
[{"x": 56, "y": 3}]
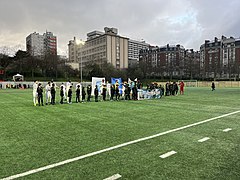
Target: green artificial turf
[{"x": 32, "y": 137}]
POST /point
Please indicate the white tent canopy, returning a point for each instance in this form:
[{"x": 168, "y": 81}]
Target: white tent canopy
[{"x": 18, "y": 77}]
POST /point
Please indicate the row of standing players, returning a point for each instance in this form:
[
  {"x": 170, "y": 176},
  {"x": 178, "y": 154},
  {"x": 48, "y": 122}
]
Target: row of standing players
[{"x": 66, "y": 93}]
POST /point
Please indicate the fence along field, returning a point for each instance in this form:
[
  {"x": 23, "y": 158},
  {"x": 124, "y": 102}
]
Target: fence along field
[
  {"x": 218, "y": 84},
  {"x": 188, "y": 83}
]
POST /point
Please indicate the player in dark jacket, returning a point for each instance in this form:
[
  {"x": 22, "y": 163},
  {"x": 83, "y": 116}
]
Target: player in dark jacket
[
  {"x": 70, "y": 95},
  {"x": 175, "y": 88},
  {"x": 78, "y": 94},
  {"x": 40, "y": 94},
  {"x": 96, "y": 93},
  {"x": 117, "y": 92},
  {"x": 127, "y": 92},
  {"x": 213, "y": 86},
  {"x": 134, "y": 93},
  {"x": 89, "y": 91},
  {"x": 61, "y": 94},
  {"x": 112, "y": 92},
  {"x": 83, "y": 94},
  {"x": 53, "y": 92},
  {"x": 104, "y": 92}
]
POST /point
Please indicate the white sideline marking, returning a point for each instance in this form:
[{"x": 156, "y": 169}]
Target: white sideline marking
[
  {"x": 113, "y": 177},
  {"x": 226, "y": 130},
  {"x": 167, "y": 154},
  {"x": 203, "y": 139},
  {"x": 33, "y": 171}
]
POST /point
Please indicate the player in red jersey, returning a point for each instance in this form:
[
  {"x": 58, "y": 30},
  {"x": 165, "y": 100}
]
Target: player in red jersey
[{"x": 181, "y": 84}]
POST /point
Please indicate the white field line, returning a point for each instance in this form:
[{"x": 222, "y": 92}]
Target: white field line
[
  {"x": 167, "y": 154},
  {"x": 226, "y": 130},
  {"x": 203, "y": 139},
  {"x": 113, "y": 177},
  {"x": 33, "y": 171}
]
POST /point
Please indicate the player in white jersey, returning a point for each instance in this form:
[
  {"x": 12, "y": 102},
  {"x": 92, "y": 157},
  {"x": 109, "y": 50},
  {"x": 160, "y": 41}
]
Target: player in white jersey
[
  {"x": 109, "y": 89},
  {"x": 123, "y": 90},
  {"x": 48, "y": 92},
  {"x": 35, "y": 86}
]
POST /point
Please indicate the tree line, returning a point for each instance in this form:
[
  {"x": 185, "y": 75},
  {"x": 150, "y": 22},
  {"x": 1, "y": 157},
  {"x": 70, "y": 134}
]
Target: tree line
[
  {"x": 53, "y": 67},
  {"x": 48, "y": 66}
]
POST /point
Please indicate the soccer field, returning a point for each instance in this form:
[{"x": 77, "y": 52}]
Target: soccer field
[{"x": 35, "y": 137}]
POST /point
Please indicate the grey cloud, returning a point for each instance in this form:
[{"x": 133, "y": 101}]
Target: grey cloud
[{"x": 157, "y": 21}]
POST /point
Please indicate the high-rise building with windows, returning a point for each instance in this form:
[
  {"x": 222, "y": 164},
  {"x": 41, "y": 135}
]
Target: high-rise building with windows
[
  {"x": 39, "y": 45},
  {"x": 74, "y": 47},
  {"x": 133, "y": 51},
  {"x": 35, "y": 44},
  {"x": 99, "y": 48},
  {"x": 50, "y": 43},
  {"x": 106, "y": 46}
]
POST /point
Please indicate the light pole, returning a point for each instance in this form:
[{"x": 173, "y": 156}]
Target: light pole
[
  {"x": 80, "y": 43},
  {"x": 81, "y": 65}
]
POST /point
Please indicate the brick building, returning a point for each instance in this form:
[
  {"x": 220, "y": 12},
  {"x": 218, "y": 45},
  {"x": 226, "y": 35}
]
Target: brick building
[
  {"x": 220, "y": 58},
  {"x": 165, "y": 61}
]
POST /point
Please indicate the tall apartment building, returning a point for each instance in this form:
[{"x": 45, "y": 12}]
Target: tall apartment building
[
  {"x": 101, "y": 47},
  {"x": 74, "y": 48},
  {"x": 221, "y": 58},
  {"x": 106, "y": 47},
  {"x": 39, "y": 45},
  {"x": 35, "y": 44},
  {"x": 50, "y": 43},
  {"x": 134, "y": 48}
]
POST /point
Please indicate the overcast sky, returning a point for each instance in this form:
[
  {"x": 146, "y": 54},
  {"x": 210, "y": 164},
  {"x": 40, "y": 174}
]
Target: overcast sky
[{"x": 158, "y": 22}]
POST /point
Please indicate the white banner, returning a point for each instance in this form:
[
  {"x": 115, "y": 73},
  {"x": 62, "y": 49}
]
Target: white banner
[{"x": 99, "y": 82}]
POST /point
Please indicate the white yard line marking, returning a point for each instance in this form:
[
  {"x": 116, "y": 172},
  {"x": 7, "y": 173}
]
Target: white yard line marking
[
  {"x": 170, "y": 153},
  {"x": 113, "y": 147},
  {"x": 203, "y": 139},
  {"x": 226, "y": 130},
  {"x": 113, "y": 177}
]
